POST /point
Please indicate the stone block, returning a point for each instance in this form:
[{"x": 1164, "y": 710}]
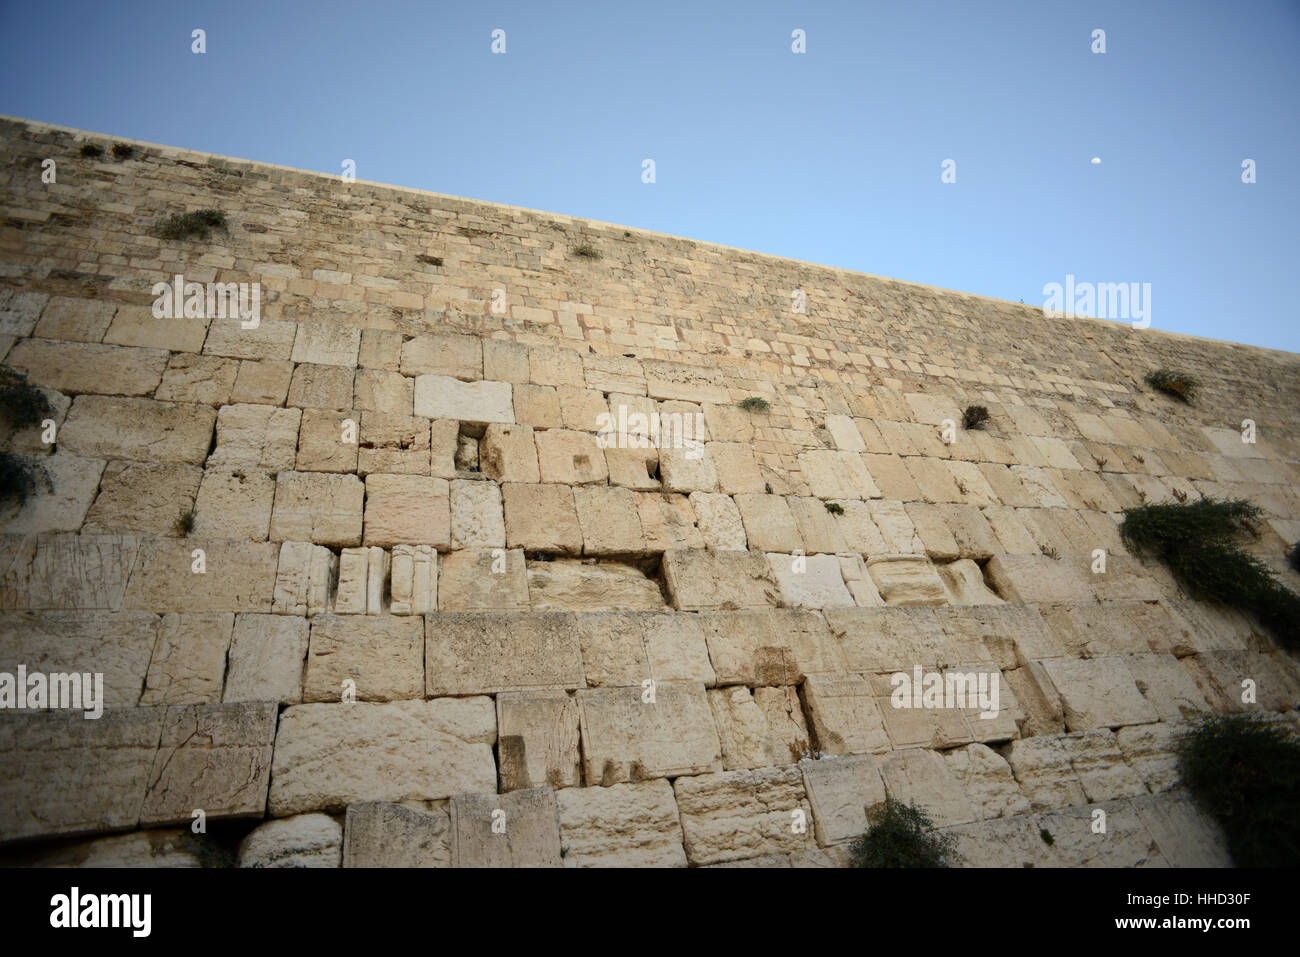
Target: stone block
[
  {"x": 318, "y": 507},
  {"x": 382, "y": 657},
  {"x": 303, "y": 579},
  {"x": 570, "y": 585},
  {"x": 769, "y": 523},
  {"x": 327, "y": 441},
  {"x": 570, "y": 458},
  {"x": 719, "y": 521},
  {"x": 393, "y": 444},
  {"x": 266, "y": 659},
  {"x": 305, "y": 840},
  {"x": 406, "y": 510},
  {"x": 413, "y": 580},
  {"x": 769, "y": 647},
  {"x": 701, "y": 580},
  {"x": 59, "y": 505},
  {"x": 921, "y": 777},
  {"x": 531, "y": 834},
  {"x": 508, "y": 453},
  {"x": 477, "y": 520},
  {"x": 813, "y": 581},
  {"x": 486, "y": 653},
  {"x": 625, "y": 825},
  {"x": 907, "y": 580},
  {"x": 987, "y": 781},
  {"x": 234, "y": 505},
  {"x": 117, "y": 645},
  {"x": 383, "y": 393},
  {"x": 668, "y": 521},
  {"x": 141, "y": 430},
  {"x": 379, "y": 834},
  {"x": 542, "y": 518},
  {"x": 189, "y": 660},
  {"x": 144, "y": 498},
  {"x": 1098, "y": 693},
  {"x": 843, "y": 715},
  {"x": 326, "y": 343},
  {"x": 443, "y": 397},
  {"x": 628, "y": 739},
  {"x": 537, "y": 740},
  {"x": 762, "y": 729},
  {"x": 239, "y": 576},
  {"x": 734, "y": 815},
  {"x": 483, "y": 580},
  {"x": 840, "y": 790},
  {"x": 251, "y": 437},
  {"x": 321, "y": 387},
  {"x": 67, "y": 572},
  {"x": 76, "y": 367}
]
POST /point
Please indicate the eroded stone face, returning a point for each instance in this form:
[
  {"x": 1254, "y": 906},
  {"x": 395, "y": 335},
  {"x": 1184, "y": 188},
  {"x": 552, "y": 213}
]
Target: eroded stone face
[
  {"x": 380, "y": 834},
  {"x": 624, "y": 825},
  {"x": 489, "y": 652},
  {"x": 627, "y": 738},
  {"x": 518, "y": 829},
  {"x": 733, "y": 815}
]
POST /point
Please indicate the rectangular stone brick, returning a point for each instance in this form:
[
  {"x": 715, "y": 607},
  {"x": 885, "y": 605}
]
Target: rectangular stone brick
[
  {"x": 626, "y": 739},
  {"x": 382, "y": 656},
  {"x": 488, "y": 652}
]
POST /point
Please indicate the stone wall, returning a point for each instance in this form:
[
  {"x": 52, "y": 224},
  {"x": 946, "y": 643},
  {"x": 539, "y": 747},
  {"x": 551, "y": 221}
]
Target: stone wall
[{"x": 428, "y": 615}]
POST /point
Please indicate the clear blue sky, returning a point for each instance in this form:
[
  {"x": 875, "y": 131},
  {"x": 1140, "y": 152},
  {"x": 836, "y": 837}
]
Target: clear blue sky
[{"x": 832, "y": 156}]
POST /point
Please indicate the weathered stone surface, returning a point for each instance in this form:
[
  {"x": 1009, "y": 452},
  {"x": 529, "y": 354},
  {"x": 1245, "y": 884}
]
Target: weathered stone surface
[
  {"x": 234, "y": 505},
  {"x": 303, "y": 579},
  {"x": 116, "y": 645},
  {"x": 305, "y": 840},
  {"x": 67, "y": 572},
  {"x": 1167, "y": 685},
  {"x": 537, "y": 740},
  {"x": 238, "y": 576},
  {"x": 328, "y": 441},
  {"x": 812, "y": 581},
  {"x": 625, "y": 825},
  {"x": 1183, "y": 833},
  {"x": 144, "y": 498},
  {"x": 769, "y": 647},
  {"x": 754, "y": 736},
  {"x": 907, "y": 580},
  {"x": 256, "y": 437},
  {"x": 266, "y": 659},
  {"x": 769, "y": 523},
  {"x": 701, "y": 580},
  {"x": 987, "y": 781},
  {"x": 413, "y": 580},
  {"x": 380, "y": 834},
  {"x": 318, "y": 507},
  {"x": 843, "y": 715},
  {"x": 965, "y": 583},
  {"x": 483, "y": 580},
  {"x": 626, "y": 648},
  {"x": 542, "y": 518},
  {"x": 406, "y": 510},
  {"x": 383, "y": 393},
  {"x": 158, "y": 848},
  {"x": 214, "y": 757},
  {"x": 570, "y": 585},
  {"x": 733, "y": 815},
  {"x": 840, "y": 790},
  {"x": 1098, "y": 693},
  {"x": 508, "y": 453},
  {"x": 719, "y": 520},
  {"x": 477, "y": 520},
  {"x": 1151, "y": 750},
  {"x": 484, "y": 653},
  {"x": 383, "y": 657},
  {"x": 316, "y": 386},
  {"x": 531, "y": 834},
  {"x": 328, "y": 756},
  {"x": 1026, "y": 579},
  {"x": 837, "y": 475},
  {"x": 59, "y": 506},
  {"x": 262, "y": 383},
  {"x": 442, "y": 397},
  {"x": 667, "y": 521},
  {"x": 142, "y": 430},
  {"x": 66, "y": 775},
  {"x": 189, "y": 660},
  {"x": 570, "y": 458},
  {"x": 628, "y": 739},
  {"x": 610, "y": 522},
  {"x": 505, "y": 361},
  {"x": 443, "y": 354},
  {"x": 921, "y": 777},
  {"x": 73, "y": 368}
]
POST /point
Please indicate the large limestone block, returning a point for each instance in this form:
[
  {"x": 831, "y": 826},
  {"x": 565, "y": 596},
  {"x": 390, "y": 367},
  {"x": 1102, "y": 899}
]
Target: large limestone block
[
  {"x": 519, "y": 829},
  {"x": 812, "y": 581},
  {"x": 407, "y": 510},
  {"x": 382, "y": 657},
  {"x": 769, "y": 523},
  {"x": 328, "y": 756},
  {"x": 1098, "y": 693},
  {"x": 263, "y": 382},
  {"x": 987, "y": 781},
  {"x": 611, "y": 524},
  {"x": 542, "y": 518},
  {"x": 477, "y": 520},
  {"x": 213, "y": 757},
  {"x": 896, "y": 528},
  {"x": 66, "y": 572},
  {"x": 443, "y": 354},
  {"x": 379, "y": 834},
  {"x": 569, "y": 585},
  {"x": 305, "y": 840},
  {"x": 234, "y": 505},
  {"x": 688, "y": 468},
  {"x": 144, "y": 498},
  {"x": 907, "y": 580},
  {"x": 1043, "y": 769},
  {"x": 915, "y": 721},
  {"x": 843, "y": 715},
  {"x": 1026, "y": 579},
  {"x": 837, "y": 475},
  {"x": 327, "y": 441},
  {"x": 890, "y": 639},
  {"x": 703, "y": 580},
  {"x": 1105, "y": 775},
  {"x": 719, "y": 521},
  {"x": 65, "y": 775},
  {"x": 1151, "y": 750},
  {"x": 537, "y": 740},
  {"x": 189, "y": 660},
  {"x": 840, "y": 790},
  {"x": 383, "y": 393},
  {"x": 555, "y": 366},
  {"x": 921, "y": 777},
  {"x": 1185, "y": 835},
  {"x": 483, "y": 580},
  {"x": 266, "y": 659},
  {"x": 508, "y": 453},
  {"x": 626, "y": 648},
  {"x": 763, "y": 729},
  {"x": 442, "y": 397},
  {"x": 413, "y": 580},
  {"x": 485, "y": 653},
  {"x": 570, "y": 458},
  {"x": 583, "y": 409},
  {"x": 769, "y": 647},
  {"x": 1126, "y": 842},
  {"x": 60, "y": 505},
  {"x": 633, "y": 468},
  {"x": 964, "y": 580},
  {"x": 625, "y": 825},
  {"x": 1009, "y": 635},
  {"x": 303, "y": 579},
  {"x": 326, "y": 343},
  {"x": 505, "y": 361},
  {"x": 116, "y": 645},
  {"x": 237, "y": 576},
  {"x": 736, "y": 468},
  {"x": 256, "y": 437},
  {"x": 142, "y": 430},
  {"x": 537, "y": 406},
  {"x": 667, "y": 521},
  {"x": 734, "y": 815},
  {"x": 316, "y": 386},
  {"x": 73, "y": 367},
  {"x": 272, "y": 339},
  {"x": 318, "y": 507},
  {"x": 626, "y": 738},
  {"x": 819, "y": 529},
  {"x": 158, "y": 848},
  {"x": 71, "y": 318},
  {"x": 613, "y": 374},
  {"x": 1167, "y": 685}
]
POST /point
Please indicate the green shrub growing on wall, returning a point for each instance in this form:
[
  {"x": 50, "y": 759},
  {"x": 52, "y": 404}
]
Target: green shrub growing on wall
[
  {"x": 755, "y": 403},
  {"x": 901, "y": 835},
  {"x": 198, "y": 223},
  {"x": 1177, "y": 384},
  {"x": 90, "y": 150},
  {"x": 974, "y": 417},
  {"x": 586, "y": 251},
  {"x": 1245, "y": 773},
  {"x": 1197, "y": 542}
]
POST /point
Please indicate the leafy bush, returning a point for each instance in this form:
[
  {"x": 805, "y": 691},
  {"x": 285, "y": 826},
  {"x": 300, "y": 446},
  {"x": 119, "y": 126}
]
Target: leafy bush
[
  {"x": 1196, "y": 541},
  {"x": 1177, "y": 384},
  {"x": 974, "y": 417},
  {"x": 18, "y": 478},
  {"x": 1245, "y": 773},
  {"x": 199, "y": 223},
  {"x": 754, "y": 403},
  {"x": 901, "y": 835},
  {"x": 586, "y": 251},
  {"x": 21, "y": 403},
  {"x": 835, "y": 508}
]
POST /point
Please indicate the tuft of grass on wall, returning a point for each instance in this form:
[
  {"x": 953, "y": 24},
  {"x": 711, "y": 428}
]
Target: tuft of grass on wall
[
  {"x": 974, "y": 417},
  {"x": 1245, "y": 773},
  {"x": 835, "y": 508},
  {"x": 90, "y": 150},
  {"x": 184, "y": 225},
  {"x": 1177, "y": 384},
  {"x": 122, "y": 151},
  {"x": 901, "y": 835},
  {"x": 185, "y": 521},
  {"x": 755, "y": 403},
  {"x": 586, "y": 251},
  {"x": 1198, "y": 543}
]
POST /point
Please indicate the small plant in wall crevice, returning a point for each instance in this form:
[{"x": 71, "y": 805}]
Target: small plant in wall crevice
[
  {"x": 974, "y": 417},
  {"x": 183, "y": 225},
  {"x": 586, "y": 251},
  {"x": 1199, "y": 543},
  {"x": 901, "y": 835},
  {"x": 185, "y": 521},
  {"x": 835, "y": 508},
  {"x": 755, "y": 403},
  {"x": 1177, "y": 384}
]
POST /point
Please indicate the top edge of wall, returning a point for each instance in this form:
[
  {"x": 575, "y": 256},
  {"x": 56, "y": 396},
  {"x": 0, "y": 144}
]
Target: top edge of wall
[{"x": 184, "y": 153}]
